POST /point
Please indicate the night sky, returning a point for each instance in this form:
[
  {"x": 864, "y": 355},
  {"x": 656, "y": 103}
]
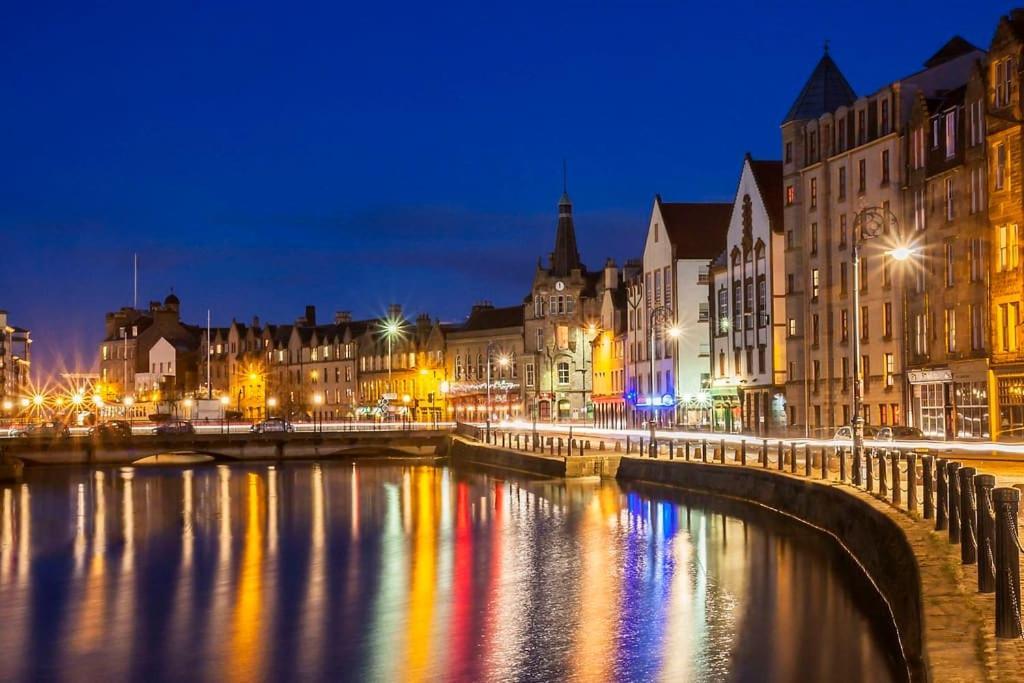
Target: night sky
[{"x": 260, "y": 158}]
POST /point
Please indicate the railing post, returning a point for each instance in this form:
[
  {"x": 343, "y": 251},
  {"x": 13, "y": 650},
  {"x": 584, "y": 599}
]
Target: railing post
[
  {"x": 704, "y": 451},
  {"x": 551, "y": 444},
  {"x": 824, "y": 462},
  {"x": 671, "y": 450},
  {"x": 897, "y": 492},
  {"x": 764, "y": 453},
  {"x": 1006, "y": 501},
  {"x": 807, "y": 460},
  {"x": 686, "y": 448},
  {"x": 968, "y": 517},
  {"x": 883, "y": 487},
  {"x": 723, "y": 449},
  {"x": 953, "y": 500},
  {"x": 640, "y": 447},
  {"x": 559, "y": 446},
  {"x": 743, "y": 450},
  {"x": 941, "y": 496},
  {"x": 792, "y": 457},
  {"x": 842, "y": 464},
  {"x": 983, "y": 485},
  {"x": 911, "y": 459},
  {"x": 929, "y": 502}
]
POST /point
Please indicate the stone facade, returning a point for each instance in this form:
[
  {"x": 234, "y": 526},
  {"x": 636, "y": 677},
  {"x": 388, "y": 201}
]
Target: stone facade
[
  {"x": 15, "y": 359},
  {"x": 493, "y": 335}
]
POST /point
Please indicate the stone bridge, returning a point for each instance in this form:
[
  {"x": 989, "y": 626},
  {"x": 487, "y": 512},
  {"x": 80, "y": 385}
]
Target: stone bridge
[{"x": 185, "y": 448}]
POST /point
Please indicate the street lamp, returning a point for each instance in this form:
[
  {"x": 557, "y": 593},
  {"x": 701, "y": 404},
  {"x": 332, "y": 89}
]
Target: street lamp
[
  {"x": 318, "y": 399},
  {"x": 658, "y": 315},
  {"x": 391, "y": 328},
  {"x": 502, "y": 361},
  {"x": 869, "y": 223},
  {"x": 224, "y": 402},
  {"x": 592, "y": 330}
]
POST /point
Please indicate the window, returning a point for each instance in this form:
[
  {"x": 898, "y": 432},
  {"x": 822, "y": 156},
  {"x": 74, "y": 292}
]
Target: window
[
  {"x": 846, "y": 378},
  {"x": 919, "y": 209},
  {"x": 815, "y": 283},
  {"x": 1009, "y": 318},
  {"x": 976, "y": 120},
  {"x": 1000, "y": 179},
  {"x": 1003, "y": 81},
  {"x": 842, "y": 183},
  {"x": 864, "y": 323},
  {"x": 814, "y": 193},
  {"x": 1008, "y": 257},
  {"x": 657, "y": 288},
  {"x": 885, "y": 167},
  {"x": 563, "y": 372},
  {"x": 921, "y": 334},
  {"x": 950, "y": 118},
  {"x": 815, "y": 329},
  {"x": 977, "y": 327},
  {"x": 844, "y": 325},
  {"x": 950, "y": 200},
  {"x": 762, "y": 302},
  {"x": 540, "y": 339},
  {"x": 887, "y": 320},
  {"x": 816, "y": 372},
  {"x": 949, "y": 270},
  {"x": 862, "y": 129},
  {"x": 789, "y": 152},
  {"x": 977, "y": 189},
  {"x": 723, "y": 310},
  {"x": 949, "y": 319},
  {"x": 843, "y": 231},
  {"x": 702, "y": 312},
  {"x": 842, "y": 277},
  {"x": 976, "y": 259},
  {"x": 862, "y": 176},
  {"x": 790, "y": 195},
  {"x": 792, "y": 327},
  {"x": 538, "y": 306},
  {"x": 865, "y": 375},
  {"x": 935, "y": 132},
  {"x": 814, "y": 238},
  {"x": 886, "y": 271},
  {"x": 789, "y": 239},
  {"x": 917, "y": 148},
  {"x": 889, "y": 362},
  {"x": 530, "y": 376},
  {"x": 885, "y": 117}
]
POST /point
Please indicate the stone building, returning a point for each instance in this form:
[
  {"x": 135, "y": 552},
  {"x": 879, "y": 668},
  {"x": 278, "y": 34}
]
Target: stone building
[
  {"x": 843, "y": 154},
  {"x": 15, "y": 359},
  {"x": 490, "y": 335},
  {"x": 682, "y": 240},
  {"x": 946, "y": 214},
  {"x": 748, "y": 359},
  {"x": 608, "y": 347},
  {"x": 119, "y": 349},
  {"x": 563, "y": 301},
  {"x": 1004, "y": 140}
]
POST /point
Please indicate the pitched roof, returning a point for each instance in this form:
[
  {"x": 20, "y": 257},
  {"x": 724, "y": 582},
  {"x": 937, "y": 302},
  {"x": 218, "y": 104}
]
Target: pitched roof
[
  {"x": 768, "y": 176},
  {"x": 826, "y": 90},
  {"x": 490, "y": 318},
  {"x": 954, "y": 47},
  {"x": 696, "y": 230},
  {"x": 566, "y": 256}
]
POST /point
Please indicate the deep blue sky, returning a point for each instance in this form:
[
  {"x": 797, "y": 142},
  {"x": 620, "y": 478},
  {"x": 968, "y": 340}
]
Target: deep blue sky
[{"x": 262, "y": 157}]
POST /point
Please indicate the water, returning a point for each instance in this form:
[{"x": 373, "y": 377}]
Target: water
[{"x": 384, "y": 572}]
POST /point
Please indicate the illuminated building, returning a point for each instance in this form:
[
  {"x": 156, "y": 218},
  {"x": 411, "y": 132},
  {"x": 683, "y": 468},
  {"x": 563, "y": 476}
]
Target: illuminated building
[
  {"x": 492, "y": 335},
  {"x": 608, "y": 338},
  {"x": 843, "y": 154},
  {"x": 15, "y": 358},
  {"x": 1005, "y": 141},
  {"x": 748, "y": 359},
  {"x": 682, "y": 240},
  {"x": 946, "y": 213}
]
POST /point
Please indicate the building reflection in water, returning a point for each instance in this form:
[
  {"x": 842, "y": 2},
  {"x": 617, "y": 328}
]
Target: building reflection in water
[{"x": 381, "y": 572}]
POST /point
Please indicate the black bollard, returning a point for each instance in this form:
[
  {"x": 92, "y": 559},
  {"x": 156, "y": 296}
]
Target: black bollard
[
  {"x": 807, "y": 460},
  {"x": 929, "y": 502},
  {"x": 1006, "y": 501},
  {"x": 743, "y": 451},
  {"x": 686, "y": 450},
  {"x": 640, "y": 447},
  {"x": 671, "y": 450},
  {"x": 842, "y": 464},
  {"x": 869, "y": 469},
  {"x": 968, "y": 516},
  {"x": 941, "y": 496},
  {"x": 911, "y": 459},
  {"x": 723, "y": 449},
  {"x": 897, "y": 492},
  {"x": 782, "y": 456},
  {"x": 704, "y": 451},
  {"x": 953, "y": 501},
  {"x": 983, "y": 485},
  {"x": 581, "y": 449},
  {"x": 824, "y": 462},
  {"x": 627, "y": 445},
  {"x": 883, "y": 487},
  {"x": 559, "y": 446},
  {"x": 764, "y": 453},
  {"x": 792, "y": 457}
]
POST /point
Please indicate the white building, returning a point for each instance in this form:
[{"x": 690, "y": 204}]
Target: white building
[
  {"x": 749, "y": 299},
  {"x": 682, "y": 239}
]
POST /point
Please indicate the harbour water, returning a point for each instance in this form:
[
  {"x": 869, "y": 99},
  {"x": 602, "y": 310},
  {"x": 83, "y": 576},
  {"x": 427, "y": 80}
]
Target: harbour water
[{"x": 364, "y": 571}]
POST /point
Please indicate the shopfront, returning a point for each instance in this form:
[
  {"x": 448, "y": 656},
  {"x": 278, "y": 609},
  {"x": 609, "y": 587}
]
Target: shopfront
[
  {"x": 951, "y": 403},
  {"x": 726, "y": 410},
  {"x": 1010, "y": 407},
  {"x": 931, "y": 398}
]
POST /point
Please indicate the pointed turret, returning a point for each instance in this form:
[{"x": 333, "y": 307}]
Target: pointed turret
[
  {"x": 826, "y": 90},
  {"x": 566, "y": 257}
]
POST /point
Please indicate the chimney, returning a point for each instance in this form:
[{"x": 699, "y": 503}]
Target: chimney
[
  {"x": 423, "y": 324},
  {"x": 611, "y": 274},
  {"x": 255, "y": 321},
  {"x": 394, "y": 311},
  {"x": 483, "y": 305},
  {"x": 311, "y": 315},
  {"x": 341, "y": 317}
]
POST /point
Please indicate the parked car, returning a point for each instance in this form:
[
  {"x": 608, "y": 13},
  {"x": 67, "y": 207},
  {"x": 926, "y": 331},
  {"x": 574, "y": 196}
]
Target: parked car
[
  {"x": 114, "y": 430},
  {"x": 175, "y": 427},
  {"x": 845, "y": 433},
  {"x": 272, "y": 425},
  {"x": 898, "y": 433},
  {"x": 45, "y": 430}
]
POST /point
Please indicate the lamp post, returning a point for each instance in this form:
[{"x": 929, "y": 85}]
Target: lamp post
[
  {"x": 318, "y": 420},
  {"x": 502, "y": 361},
  {"x": 657, "y": 315},
  {"x": 592, "y": 330},
  {"x": 224, "y": 402},
  {"x": 869, "y": 223}
]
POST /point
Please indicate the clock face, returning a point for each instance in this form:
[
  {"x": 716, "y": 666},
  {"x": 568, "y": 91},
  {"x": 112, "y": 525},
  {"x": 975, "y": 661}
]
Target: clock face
[{"x": 559, "y": 285}]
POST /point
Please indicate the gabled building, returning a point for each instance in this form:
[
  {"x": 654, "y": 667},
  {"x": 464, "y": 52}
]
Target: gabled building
[
  {"x": 682, "y": 241},
  {"x": 489, "y": 335},
  {"x": 608, "y": 347},
  {"x": 749, "y": 318}
]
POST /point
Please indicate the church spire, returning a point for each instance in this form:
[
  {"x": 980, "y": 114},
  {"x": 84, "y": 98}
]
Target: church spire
[{"x": 566, "y": 256}]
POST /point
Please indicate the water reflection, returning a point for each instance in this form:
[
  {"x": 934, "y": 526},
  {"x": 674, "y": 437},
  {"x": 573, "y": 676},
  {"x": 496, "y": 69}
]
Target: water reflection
[{"x": 376, "y": 572}]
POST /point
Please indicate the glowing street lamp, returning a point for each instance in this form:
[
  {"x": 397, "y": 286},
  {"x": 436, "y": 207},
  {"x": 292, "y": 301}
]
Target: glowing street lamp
[
  {"x": 391, "y": 328},
  {"x": 318, "y": 400},
  {"x": 271, "y": 403},
  {"x": 38, "y": 400}
]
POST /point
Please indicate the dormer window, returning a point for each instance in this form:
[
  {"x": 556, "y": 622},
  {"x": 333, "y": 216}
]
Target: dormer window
[
  {"x": 950, "y": 133},
  {"x": 1003, "y": 80}
]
